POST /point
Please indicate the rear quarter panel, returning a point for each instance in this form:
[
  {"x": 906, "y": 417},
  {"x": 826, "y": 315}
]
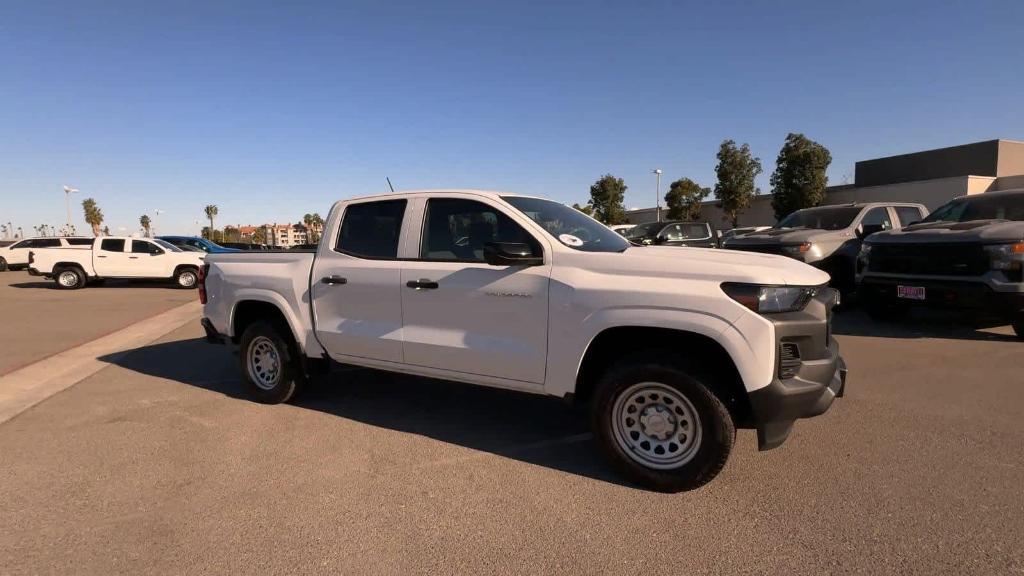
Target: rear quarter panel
[{"x": 281, "y": 279}]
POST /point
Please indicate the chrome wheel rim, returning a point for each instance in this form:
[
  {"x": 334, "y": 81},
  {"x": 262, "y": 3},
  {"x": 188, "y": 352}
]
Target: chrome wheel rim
[
  {"x": 264, "y": 363},
  {"x": 67, "y": 279},
  {"x": 656, "y": 426},
  {"x": 187, "y": 279}
]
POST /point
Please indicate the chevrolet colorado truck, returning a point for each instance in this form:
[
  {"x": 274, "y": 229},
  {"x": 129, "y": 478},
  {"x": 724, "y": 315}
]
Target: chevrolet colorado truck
[
  {"x": 969, "y": 253},
  {"x": 117, "y": 257},
  {"x": 829, "y": 237},
  {"x": 672, "y": 347}
]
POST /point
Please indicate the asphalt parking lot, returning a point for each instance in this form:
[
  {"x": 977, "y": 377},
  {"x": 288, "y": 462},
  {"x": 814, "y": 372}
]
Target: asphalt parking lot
[
  {"x": 157, "y": 464},
  {"x": 39, "y": 320}
]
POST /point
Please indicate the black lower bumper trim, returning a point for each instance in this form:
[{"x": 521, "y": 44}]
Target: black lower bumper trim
[
  {"x": 212, "y": 336},
  {"x": 778, "y": 405},
  {"x": 946, "y": 294}
]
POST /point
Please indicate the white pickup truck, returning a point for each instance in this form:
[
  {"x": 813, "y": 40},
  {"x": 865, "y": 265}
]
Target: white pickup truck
[
  {"x": 117, "y": 257},
  {"x": 673, "y": 347}
]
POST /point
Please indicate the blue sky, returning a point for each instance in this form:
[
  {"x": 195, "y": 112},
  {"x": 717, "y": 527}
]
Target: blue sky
[{"x": 272, "y": 110}]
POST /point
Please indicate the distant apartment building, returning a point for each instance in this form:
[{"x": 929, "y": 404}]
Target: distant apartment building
[
  {"x": 932, "y": 178},
  {"x": 281, "y": 235}
]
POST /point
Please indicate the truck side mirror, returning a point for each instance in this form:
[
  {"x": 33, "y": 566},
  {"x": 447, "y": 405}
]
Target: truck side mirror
[
  {"x": 865, "y": 230},
  {"x": 510, "y": 254}
]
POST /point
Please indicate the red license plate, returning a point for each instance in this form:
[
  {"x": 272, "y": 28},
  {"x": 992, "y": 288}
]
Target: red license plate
[{"x": 910, "y": 292}]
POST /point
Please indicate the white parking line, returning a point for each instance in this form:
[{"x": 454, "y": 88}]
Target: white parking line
[{"x": 28, "y": 386}]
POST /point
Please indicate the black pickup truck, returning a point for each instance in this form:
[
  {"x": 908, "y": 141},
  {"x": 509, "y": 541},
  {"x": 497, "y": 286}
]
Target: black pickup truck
[{"x": 969, "y": 253}]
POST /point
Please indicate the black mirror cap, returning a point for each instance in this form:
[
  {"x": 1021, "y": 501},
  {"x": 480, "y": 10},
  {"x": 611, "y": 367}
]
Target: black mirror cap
[
  {"x": 865, "y": 230},
  {"x": 510, "y": 254}
]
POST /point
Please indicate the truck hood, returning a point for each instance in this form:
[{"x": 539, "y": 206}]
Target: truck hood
[
  {"x": 778, "y": 237},
  {"x": 703, "y": 263},
  {"x": 975, "y": 231}
]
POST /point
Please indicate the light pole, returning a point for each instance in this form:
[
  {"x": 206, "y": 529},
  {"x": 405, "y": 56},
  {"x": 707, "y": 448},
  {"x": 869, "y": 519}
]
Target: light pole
[
  {"x": 152, "y": 225},
  {"x": 68, "y": 191},
  {"x": 657, "y": 193}
]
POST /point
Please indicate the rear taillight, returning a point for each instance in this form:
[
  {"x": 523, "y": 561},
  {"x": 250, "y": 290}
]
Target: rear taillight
[{"x": 202, "y": 282}]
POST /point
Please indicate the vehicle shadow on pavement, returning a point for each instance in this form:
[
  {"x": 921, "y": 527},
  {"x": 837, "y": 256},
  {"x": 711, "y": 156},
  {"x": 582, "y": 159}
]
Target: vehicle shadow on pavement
[
  {"x": 525, "y": 427},
  {"x": 50, "y": 285},
  {"x": 923, "y": 323}
]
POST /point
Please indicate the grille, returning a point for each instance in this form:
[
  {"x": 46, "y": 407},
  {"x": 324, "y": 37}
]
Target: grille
[
  {"x": 789, "y": 360},
  {"x": 929, "y": 259}
]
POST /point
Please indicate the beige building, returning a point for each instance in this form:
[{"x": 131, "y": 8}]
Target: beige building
[{"x": 932, "y": 178}]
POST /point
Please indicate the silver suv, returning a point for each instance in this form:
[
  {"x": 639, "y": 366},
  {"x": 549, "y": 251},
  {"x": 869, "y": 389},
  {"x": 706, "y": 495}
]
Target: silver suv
[{"x": 829, "y": 237}]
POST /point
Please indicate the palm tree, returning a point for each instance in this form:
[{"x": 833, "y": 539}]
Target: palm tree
[
  {"x": 4, "y": 228},
  {"x": 211, "y": 213},
  {"x": 93, "y": 215},
  {"x": 106, "y": 230},
  {"x": 318, "y": 225},
  {"x": 145, "y": 222}
]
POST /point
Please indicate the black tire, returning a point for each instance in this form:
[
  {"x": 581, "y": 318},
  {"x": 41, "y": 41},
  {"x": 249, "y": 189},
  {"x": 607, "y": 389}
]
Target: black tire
[
  {"x": 286, "y": 379},
  {"x": 69, "y": 278},
  {"x": 717, "y": 433},
  {"x": 1018, "y": 328},
  {"x": 186, "y": 278},
  {"x": 3, "y": 265}
]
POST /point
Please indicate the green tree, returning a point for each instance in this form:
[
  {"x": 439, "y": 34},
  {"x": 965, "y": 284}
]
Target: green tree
[
  {"x": 145, "y": 222},
  {"x": 93, "y": 215},
  {"x": 799, "y": 179},
  {"x": 231, "y": 234},
  {"x": 259, "y": 236},
  {"x": 211, "y": 213},
  {"x": 735, "y": 187},
  {"x": 683, "y": 199},
  {"x": 606, "y": 197},
  {"x": 212, "y": 234},
  {"x": 585, "y": 209}
]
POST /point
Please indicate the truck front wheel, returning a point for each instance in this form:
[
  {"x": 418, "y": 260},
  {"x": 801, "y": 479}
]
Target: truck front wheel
[
  {"x": 660, "y": 426},
  {"x": 269, "y": 364}
]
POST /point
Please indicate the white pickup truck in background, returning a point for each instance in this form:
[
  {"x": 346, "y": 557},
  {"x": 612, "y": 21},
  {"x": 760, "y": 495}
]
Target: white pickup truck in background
[
  {"x": 673, "y": 347},
  {"x": 117, "y": 257}
]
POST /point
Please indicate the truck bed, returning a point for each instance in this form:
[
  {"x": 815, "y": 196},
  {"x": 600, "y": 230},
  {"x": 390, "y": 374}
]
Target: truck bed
[{"x": 281, "y": 278}]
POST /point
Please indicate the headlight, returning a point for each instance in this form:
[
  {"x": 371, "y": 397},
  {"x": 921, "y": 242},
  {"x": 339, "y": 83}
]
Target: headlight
[
  {"x": 798, "y": 250},
  {"x": 1006, "y": 256},
  {"x": 770, "y": 299}
]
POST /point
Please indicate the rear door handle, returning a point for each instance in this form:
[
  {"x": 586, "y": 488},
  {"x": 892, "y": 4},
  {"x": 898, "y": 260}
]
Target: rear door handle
[
  {"x": 133, "y": 257},
  {"x": 101, "y": 256},
  {"x": 422, "y": 284},
  {"x": 334, "y": 280}
]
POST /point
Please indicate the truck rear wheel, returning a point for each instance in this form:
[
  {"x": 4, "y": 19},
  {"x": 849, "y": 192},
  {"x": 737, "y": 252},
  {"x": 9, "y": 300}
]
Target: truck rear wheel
[
  {"x": 1018, "y": 327},
  {"x": 269, "y": 363},
  {"x": 69, "y": 278},
  {"x": 660, "y": 426},
  {"x": 3, "y": 265},
  {"x": 186, "y": 278}
]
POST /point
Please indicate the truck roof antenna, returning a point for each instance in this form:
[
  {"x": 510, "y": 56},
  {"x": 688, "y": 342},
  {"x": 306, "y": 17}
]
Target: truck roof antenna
[{"x": 389, "y": 183}]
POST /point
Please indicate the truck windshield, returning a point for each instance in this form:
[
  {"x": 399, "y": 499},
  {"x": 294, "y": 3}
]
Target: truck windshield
[
  {"x": 823, "y": 218},
  {"x": 569, "y": 226},
  {"x": 981, "y": 207}
]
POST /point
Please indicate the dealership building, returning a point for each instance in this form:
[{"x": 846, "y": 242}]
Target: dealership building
[{"x": 932, "y": 178}]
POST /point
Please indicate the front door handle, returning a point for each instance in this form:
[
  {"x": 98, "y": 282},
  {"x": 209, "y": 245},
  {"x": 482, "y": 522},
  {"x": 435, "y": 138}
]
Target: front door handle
[
  {"x": 99, "y": 256},
  {"x": 133, "y": 257},
  {"x": 334, "y": 280},
  {"x": 422, "y": 284}
]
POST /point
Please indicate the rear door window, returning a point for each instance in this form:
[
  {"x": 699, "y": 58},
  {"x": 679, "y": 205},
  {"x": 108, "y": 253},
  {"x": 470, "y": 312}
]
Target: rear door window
[
  {"x": 878, "y": 216},
  {"x": 908, "y": 214},
  {"x": 112, "y": 245},
  {"x": 371, "y": 229}
]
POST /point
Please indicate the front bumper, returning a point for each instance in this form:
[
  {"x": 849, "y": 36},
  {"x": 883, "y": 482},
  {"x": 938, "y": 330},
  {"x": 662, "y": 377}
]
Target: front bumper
[
  {"x": 803, "y": 385},
  {"x": 970, "y": 294}
]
